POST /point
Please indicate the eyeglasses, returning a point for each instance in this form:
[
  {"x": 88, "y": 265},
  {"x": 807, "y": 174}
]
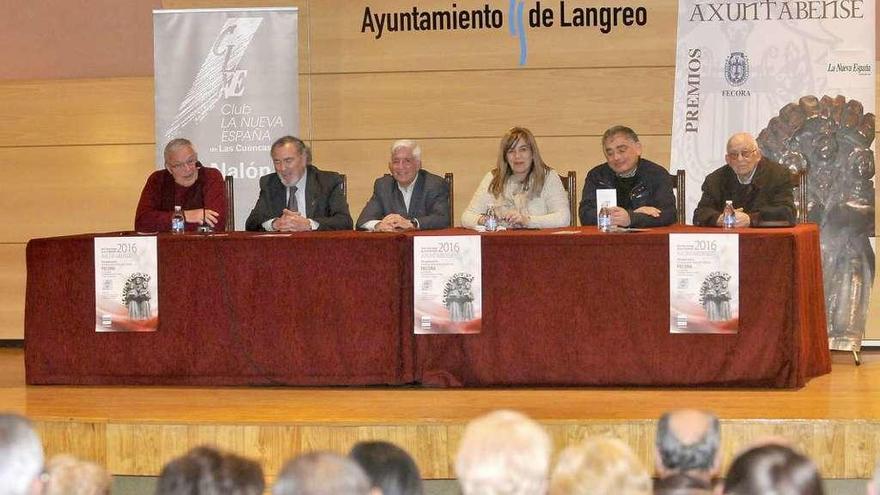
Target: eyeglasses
[
  {"x": 190, "y": 162},
  {"x": 733, "y": 155}
]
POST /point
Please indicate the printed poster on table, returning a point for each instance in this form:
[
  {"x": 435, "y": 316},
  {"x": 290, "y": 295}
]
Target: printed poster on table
[
  {"x": 447, "y": 284},
  {"x": 704, "y": 283},
  {"x": 126, "y": 284}
]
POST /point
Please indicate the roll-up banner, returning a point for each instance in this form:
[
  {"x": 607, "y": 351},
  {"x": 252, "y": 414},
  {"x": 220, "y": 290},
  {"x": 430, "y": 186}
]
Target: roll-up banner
[
  {"x": 798, "y": 75},
  {"x": 227, "y": 80}
]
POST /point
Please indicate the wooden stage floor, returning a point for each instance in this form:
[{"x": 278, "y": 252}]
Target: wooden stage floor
[{"x": 135, "y": 430}]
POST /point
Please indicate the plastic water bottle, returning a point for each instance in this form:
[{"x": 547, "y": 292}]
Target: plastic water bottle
[
  {"x": 604, "y": 220},
  {"x": 728, "y": 219},
  {"x": 177, "y": 221},
  {"x": 491, "y": 222}
]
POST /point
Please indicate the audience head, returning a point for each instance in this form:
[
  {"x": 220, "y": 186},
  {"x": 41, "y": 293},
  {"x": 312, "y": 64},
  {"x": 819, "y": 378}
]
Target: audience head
[
  {"x": 687, "y": 442},
  {"x": 743, "y": 153},
  {"x": 682, "y": 484},
  {"x": 181, "y": 160},
  {"x": 518, "y": 157},
  {"x": 207, "y": 471},
  {"x": 406, "y": 160},
  {"x": 622, "y": 149},
  {"x": 599, "y": 466},
  {"x": 503, "y": 452},
  {"x": 773, "y": 469},
  {"x": 391, "y": 470},
  {"x": 321, "y": 473},
  {"x": 874, "y": 484},
  {"x": 290, "y": 156},
  {"x": 68, "y": 475},
  {"x": 21, "y": 456}
]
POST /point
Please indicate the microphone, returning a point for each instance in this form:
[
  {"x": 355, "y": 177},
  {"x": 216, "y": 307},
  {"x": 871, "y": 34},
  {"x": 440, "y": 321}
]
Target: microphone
[{"x": 203, "y": 227}]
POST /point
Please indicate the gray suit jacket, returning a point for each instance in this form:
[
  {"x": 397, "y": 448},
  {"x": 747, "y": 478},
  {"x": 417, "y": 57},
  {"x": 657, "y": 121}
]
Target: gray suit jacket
[
  {"x": 325, "y": 201},
  {"x": 429, "y": 203}
]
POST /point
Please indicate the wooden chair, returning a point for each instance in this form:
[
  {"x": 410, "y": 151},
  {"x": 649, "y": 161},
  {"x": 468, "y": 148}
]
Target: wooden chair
[
  {"x": 569, "y": 182},
  {"x": 799, "y": 187},
  {"x": 678, "y": 184},
  {"x": 230, "y": 203},
  {"x": 450, "y": 183}
]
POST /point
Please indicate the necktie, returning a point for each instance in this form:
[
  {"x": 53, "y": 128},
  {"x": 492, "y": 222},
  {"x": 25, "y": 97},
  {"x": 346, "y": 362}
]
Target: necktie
[{"x": 291, "y": 199}]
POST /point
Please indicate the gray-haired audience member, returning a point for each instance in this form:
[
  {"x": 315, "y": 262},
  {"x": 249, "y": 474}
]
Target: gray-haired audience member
[
  {"x": 503, "y": 452},
  {"x": 321, "y": 473},
  {"x": 68, "y": 475},
  {"x": 874, "y": 484},
  {"x": 21, "y": 457},
  {"x": 599, "y": 466},
  {"x": 687, "y": 445},
  {"x": 681, "y": 484},
  {"x": 772, "y": 469},
  {"x": 391, "y": 470},
  {"x": 207, "y": 471}
]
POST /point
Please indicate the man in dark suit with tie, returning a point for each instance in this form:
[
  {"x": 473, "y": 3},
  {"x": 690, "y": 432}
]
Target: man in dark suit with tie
[
  {"x": 409, "y": 198},
  {"x": 298, "y": 196}
]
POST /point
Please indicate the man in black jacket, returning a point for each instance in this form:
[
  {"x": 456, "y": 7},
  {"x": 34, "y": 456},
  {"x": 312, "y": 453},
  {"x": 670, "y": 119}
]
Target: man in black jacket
[
  {"x": 643, "y": 188},
  {"x": 759, "y": 188}
]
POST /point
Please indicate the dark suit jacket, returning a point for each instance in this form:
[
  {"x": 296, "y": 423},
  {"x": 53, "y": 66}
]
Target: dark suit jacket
[
  {"x": 325, "y": 201},
  {"x": 429, "y": 203},
  {"x": 769, "y": 197},
  {"x": 653, "y": 188}
]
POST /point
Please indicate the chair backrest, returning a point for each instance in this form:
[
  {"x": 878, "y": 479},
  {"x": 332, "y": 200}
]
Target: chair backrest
[
  {"x": 678, "y": 181},
  {"x": 450, "y": 183},
  {"x": 799, "y": 188},
  {"x": 230, "y": 203},
  {"x": 569, "y": 182},
  {"x": 344, "y": 185}
]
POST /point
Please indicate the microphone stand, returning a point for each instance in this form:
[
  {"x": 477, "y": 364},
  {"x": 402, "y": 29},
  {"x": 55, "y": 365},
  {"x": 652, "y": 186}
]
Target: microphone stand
[{"x": 204, "y": 228}]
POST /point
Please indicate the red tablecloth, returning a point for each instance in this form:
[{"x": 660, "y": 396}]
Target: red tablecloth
[
  {"x": 237, "y": 309},
  {"x": 593, "y": 309},
  {"x": 336, "y": 309}
]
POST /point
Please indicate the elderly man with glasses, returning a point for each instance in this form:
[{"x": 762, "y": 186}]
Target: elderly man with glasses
[
  {"x": 184, "y": 182},
  {"x": 759, "y": 188}
]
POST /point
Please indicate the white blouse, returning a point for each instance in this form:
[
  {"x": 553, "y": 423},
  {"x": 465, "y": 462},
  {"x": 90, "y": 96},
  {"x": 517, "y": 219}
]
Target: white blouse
[{"x": 547, "y": 210}]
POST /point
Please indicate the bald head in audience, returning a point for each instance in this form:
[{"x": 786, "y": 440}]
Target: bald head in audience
[
  {"x": 68, "y": 475},
  {"x": 21, "y": 457},
  {"x": 503, "y": 452},
  {"x": 687, "y": 443},
  {"x": 321, "y": 473}
]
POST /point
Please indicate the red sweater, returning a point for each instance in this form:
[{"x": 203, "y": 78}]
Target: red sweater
[{"x": 161, "y": 194}]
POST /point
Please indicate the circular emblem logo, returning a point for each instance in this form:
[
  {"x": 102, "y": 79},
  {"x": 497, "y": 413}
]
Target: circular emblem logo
[{"x": 736, "y": 69}]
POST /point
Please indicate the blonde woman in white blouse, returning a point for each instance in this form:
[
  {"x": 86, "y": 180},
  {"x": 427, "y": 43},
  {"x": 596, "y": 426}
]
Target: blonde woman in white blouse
[{"x": 524, "y": 191}]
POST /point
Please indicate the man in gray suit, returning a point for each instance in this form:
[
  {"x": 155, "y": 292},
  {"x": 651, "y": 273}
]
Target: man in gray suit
[
  {"x": 298, "y": 196},
  {"x": 409, "y": 198}
]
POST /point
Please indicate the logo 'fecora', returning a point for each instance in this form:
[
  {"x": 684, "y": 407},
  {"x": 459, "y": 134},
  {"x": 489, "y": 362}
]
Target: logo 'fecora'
[{"x": 736, "y": 69}]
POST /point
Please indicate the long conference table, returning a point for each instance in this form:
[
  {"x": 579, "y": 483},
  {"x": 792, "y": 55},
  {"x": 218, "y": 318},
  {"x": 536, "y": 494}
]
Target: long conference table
[{"x": 570, "y": 308}]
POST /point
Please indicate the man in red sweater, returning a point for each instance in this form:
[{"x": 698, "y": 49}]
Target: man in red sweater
[{"x": 184, "y": 182}]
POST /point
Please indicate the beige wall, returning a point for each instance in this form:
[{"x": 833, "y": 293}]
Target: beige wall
[{"x": 76, "y": 136}]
